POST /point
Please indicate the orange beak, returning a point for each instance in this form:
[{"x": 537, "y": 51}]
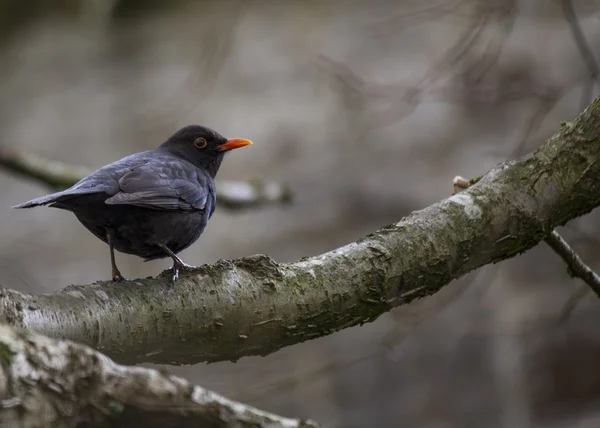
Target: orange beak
[{"x": 233, "y": 143}]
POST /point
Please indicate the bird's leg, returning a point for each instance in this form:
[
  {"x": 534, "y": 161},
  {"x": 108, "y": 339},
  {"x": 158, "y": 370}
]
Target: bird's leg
[
  {"x": 116, "y": 274},
  {"x": 178, "y": 264}
]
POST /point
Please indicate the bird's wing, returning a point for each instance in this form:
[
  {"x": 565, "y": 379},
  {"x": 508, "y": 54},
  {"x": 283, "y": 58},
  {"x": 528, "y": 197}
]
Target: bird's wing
[
  {"x": 104, "y": 180},
  {"x": 165, "y": 186}
]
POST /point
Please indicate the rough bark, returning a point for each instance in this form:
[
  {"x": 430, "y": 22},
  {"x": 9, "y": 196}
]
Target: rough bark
[
  {"x": 255, "y": 306},
  {"x": 50, "y": 383}
]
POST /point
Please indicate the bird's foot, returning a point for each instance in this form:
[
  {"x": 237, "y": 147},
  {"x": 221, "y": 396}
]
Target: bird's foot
[
  {"x": 177, "y": 267},
  {"x": 117, "y": 277}
]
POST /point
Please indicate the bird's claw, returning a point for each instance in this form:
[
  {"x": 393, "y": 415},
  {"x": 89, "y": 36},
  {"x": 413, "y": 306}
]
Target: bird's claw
[
  {"x": 176, "y": 268},
  {"x": 117, "y": 277}
]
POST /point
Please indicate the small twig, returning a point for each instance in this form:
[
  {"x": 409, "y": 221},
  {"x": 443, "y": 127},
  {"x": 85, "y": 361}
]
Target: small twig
[
  {"x": 399, "y": 21},
  {"x": 584, "y": 48},
  {"x": 576, "y": 266},
  {"x": 57, "y": 175}
]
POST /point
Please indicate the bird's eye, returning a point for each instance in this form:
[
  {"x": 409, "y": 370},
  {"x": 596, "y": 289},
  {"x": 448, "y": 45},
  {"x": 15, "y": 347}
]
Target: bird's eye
[{"x": 200, "y": 142}]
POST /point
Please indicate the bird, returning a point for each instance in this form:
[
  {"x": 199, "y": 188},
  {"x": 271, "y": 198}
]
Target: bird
[{"x": 152, "y": 204}]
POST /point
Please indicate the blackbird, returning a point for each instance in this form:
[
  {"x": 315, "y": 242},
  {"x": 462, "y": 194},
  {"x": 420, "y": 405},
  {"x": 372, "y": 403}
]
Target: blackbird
[{"x": 152, "y": 204}]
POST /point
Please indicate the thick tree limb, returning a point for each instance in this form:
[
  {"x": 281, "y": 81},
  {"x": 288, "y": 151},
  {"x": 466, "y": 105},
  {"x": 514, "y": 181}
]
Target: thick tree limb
[
  {"x": 57, "y": 175},
  {"x": 576, "y": 267},
  {"x": 50, "y": 383},
  {"x": 254, "y": 306}
]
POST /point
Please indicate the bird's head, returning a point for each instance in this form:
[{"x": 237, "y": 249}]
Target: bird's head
[{"x": 202, "y": 146}]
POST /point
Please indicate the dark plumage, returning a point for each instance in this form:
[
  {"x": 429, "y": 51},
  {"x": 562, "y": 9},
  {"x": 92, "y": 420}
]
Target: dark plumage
[{"x": 152, "y": 204}]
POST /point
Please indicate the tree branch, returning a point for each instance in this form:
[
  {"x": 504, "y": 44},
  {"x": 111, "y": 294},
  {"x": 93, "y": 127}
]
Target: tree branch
[
  {"x": 580, "y": 40},
  {"x": 575, "y": 265},
  {"x": 45, "y": 382},
  {"x": 254, "y": 306},
  {"x": 57, "y": 175}
]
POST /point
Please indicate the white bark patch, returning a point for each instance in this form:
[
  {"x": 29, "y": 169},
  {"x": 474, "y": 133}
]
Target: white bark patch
[
  {"x": 232, "y": 282},
  {"x": 472, "y": 211},
  {"x": 102, "y": 294},
  {"x": 241, "y": 411}
]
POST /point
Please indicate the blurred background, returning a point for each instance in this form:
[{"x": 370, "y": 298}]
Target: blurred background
[{"x": 367, "y": 109}]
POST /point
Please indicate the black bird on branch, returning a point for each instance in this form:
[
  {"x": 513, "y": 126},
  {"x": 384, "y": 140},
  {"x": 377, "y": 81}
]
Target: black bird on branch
[{"x": 152, "y": 204}]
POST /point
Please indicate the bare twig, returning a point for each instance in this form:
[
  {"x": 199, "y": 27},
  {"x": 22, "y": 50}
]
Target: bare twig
[
  {"x": 58, "y": 176},
  {"x": 463, "y": 64},
  {"x": 542, "y": 106},
  {"x": 585, "y": 50},
  {"x": 576, "y": 266},
  {"x": 401, "y": 20}
]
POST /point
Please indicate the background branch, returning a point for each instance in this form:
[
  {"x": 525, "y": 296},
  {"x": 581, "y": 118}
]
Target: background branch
[
  {"x": 58, "y": 176},
  {"x": 47, "y": 382},
  {"x": 585, "y": 50},
  {"x": 254, "y": 306}
]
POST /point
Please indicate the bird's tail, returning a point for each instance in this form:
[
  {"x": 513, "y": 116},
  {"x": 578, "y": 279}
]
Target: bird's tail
[{"x": 42, "y": 200}]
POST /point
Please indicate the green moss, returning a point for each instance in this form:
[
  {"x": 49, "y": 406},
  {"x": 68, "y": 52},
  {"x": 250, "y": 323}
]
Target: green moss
[
  {"x": 113, "y": 407},
  {"x": 6, "y": 354},
  {"x": 474, "y": 180}
]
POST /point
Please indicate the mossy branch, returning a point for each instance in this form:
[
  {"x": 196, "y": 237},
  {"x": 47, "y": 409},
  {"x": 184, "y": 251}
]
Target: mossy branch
[{"x": 255, "y": 306}]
